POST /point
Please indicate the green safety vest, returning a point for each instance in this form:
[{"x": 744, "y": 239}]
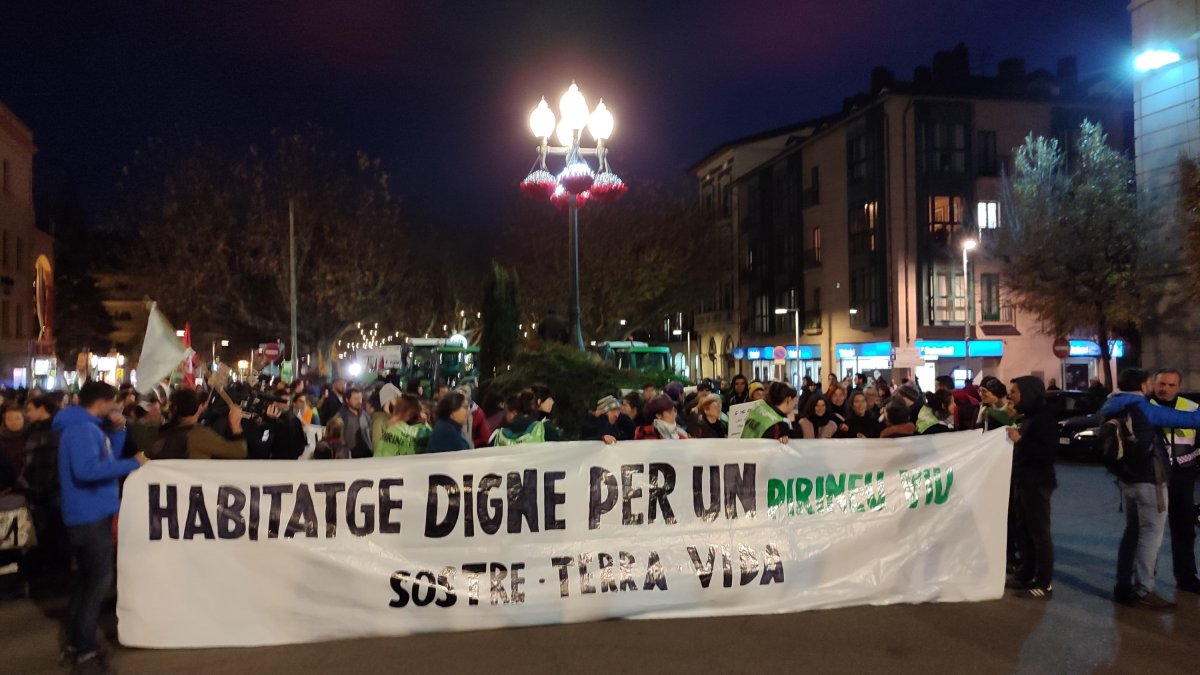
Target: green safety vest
[
  {"x": 402, "y": 439},
  {"x": 536, "y": 433},
  {"x": 760, "y": 418},
  {"x": 1183, "y": 441},
  {"x": 926, "y": 419}
]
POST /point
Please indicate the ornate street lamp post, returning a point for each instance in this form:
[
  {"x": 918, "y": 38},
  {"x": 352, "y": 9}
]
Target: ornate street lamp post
[{"x": 576, "y": 184}]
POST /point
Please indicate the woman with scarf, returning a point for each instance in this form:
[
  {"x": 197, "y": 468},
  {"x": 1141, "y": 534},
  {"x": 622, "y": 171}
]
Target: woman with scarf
[
  {"x": 661, "y": 411},
  {"x": 861, "y": 421},
  {"x": 838, "y": 410},
  {"x": 993, "y": 409},
  {"x": 773, "y": 420},
  {"x": 818, "y": 420}
]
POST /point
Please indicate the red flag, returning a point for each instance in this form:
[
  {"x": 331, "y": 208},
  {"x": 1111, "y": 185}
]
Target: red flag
[{"x": 189, "y": 359}]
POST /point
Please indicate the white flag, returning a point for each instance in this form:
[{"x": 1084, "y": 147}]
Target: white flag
[{"x": 162, "y": 352}]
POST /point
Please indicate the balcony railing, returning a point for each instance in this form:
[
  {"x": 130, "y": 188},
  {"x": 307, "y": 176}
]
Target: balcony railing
[{"x": 1005, "y": 314}]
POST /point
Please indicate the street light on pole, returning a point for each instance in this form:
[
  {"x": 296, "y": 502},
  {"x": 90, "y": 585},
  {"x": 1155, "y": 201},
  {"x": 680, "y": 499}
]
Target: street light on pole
[
  {"x": 796, "y": 311},
  {"x": 968, "y": 307},
  {"x": 688, "y": 332},
  {"x": 576, "y": 184}
]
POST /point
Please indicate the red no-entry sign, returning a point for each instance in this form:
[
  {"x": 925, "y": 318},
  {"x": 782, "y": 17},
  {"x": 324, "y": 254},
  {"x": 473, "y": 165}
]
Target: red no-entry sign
[
  {"x": 272, "y": 351},
  {"x": 1062, "y": 348}
]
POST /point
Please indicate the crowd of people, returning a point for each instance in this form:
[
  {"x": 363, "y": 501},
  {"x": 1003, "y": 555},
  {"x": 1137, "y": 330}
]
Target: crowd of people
[{"x": 63, "y": 457}]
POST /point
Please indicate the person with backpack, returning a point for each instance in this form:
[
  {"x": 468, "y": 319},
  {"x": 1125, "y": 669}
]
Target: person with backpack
[
  {"x": 525, "y": 427},
  {"x": 1035, "y": 445},
  {"x": 405, "y": 432},
  {"x": 184, "y": 438},
  {"x": 1134, "y": 450},
  {"x": 1181, "y": 483}
]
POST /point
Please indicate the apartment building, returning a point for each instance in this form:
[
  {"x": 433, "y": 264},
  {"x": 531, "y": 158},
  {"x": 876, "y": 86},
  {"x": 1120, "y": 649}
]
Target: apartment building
[
  {"x": 26, "y": 255},
  {"x": 850, "y": 238},
  {"x": 1166, "y": 104}
]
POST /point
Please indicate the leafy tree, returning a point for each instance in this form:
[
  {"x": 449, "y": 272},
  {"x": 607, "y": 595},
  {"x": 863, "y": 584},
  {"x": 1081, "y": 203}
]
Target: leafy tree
[
  {"x": 501, "y": 318},
  {"x": 212, "y": 230},
  {"x": 1072, "y": 238},
  {"x": 642, "y": 258},
  {"x": 80, "y": 320},
  {"x": 576, "y": 381},
  {"x": 1189, "y": 215}
]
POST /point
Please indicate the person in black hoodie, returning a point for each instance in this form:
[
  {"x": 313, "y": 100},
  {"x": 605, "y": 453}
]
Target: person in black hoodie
[
  {"x": 53, "y": 552},
  {"x": 1035, "y": 443}
]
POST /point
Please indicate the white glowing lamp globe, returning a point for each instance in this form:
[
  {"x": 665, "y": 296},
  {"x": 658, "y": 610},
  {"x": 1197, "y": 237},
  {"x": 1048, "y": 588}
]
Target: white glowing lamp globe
[
  {"x": 541, "y": 120},
  {"x": 601, "y": 122},
  {"x": 573, "y": 108},
  {"x": 566, "y": 135}
]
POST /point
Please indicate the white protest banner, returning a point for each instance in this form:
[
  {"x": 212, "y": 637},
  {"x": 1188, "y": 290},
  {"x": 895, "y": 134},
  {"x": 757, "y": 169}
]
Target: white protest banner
[
  {"x": 16, "y": 529},
  {"x": 253, "y": 553},
  {"x": 737, "y": 417}
]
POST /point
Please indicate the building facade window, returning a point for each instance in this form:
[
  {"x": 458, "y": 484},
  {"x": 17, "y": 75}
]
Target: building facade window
[
  {"x": 856, "y": 158},
  {"x": 19, "y": 321},
  {"x": 943, "y": 147},
  {"x": 989, "y": 164},
  {"x": 5, "y": 320},
  {"x": 988, "y": 215},
  {"x": 764, "y": 316},
  {"x": 816, "y": 245},
  {"x": 812, "y": 196},
  {"x": 5, "y": 177},
  {"x": 945, "y": 218},
  {"x": 989, "y": 292},
  {"x": 864, "y": 228},
  {"x": 947, "y": 301}
]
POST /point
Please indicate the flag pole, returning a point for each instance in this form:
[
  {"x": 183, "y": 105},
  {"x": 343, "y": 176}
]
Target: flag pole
[{"x": 292, "y": 263}]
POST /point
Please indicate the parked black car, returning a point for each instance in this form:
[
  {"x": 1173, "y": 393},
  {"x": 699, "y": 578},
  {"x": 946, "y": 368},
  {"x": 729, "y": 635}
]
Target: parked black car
[{"x": 1075, "y": 412}]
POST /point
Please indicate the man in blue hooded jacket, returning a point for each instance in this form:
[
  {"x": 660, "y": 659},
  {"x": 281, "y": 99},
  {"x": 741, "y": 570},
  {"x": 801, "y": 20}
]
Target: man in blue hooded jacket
[
  {"x": 1142, "y": 476},
  {"x": 89, "y": 471}
]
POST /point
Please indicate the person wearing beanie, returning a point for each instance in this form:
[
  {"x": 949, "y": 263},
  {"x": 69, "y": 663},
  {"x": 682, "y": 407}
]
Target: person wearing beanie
[
  {"x": 663, "y": 415},
  {"x": 757, "y": 391},
  {"x": 707, "y": 419},
  {"x": 772, "y": 417},
  {"x": 912, "y": 397},
  {"x": 607, "y": 423},
  {"x": 381, "y": 411}
]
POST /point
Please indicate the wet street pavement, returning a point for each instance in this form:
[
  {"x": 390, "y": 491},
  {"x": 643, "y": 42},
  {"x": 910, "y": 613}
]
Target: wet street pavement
[{"x": 1080, "y": 630}]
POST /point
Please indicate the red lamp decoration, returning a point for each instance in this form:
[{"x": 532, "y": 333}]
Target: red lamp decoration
[
  {"x": 607, "y": 187},
  {"x": 576, "y": 177},
  {"x": 539, "y": 184},
  {"x": 561, "y": 199}
]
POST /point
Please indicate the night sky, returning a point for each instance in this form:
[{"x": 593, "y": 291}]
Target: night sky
[{"x": 441, "y": 91}]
